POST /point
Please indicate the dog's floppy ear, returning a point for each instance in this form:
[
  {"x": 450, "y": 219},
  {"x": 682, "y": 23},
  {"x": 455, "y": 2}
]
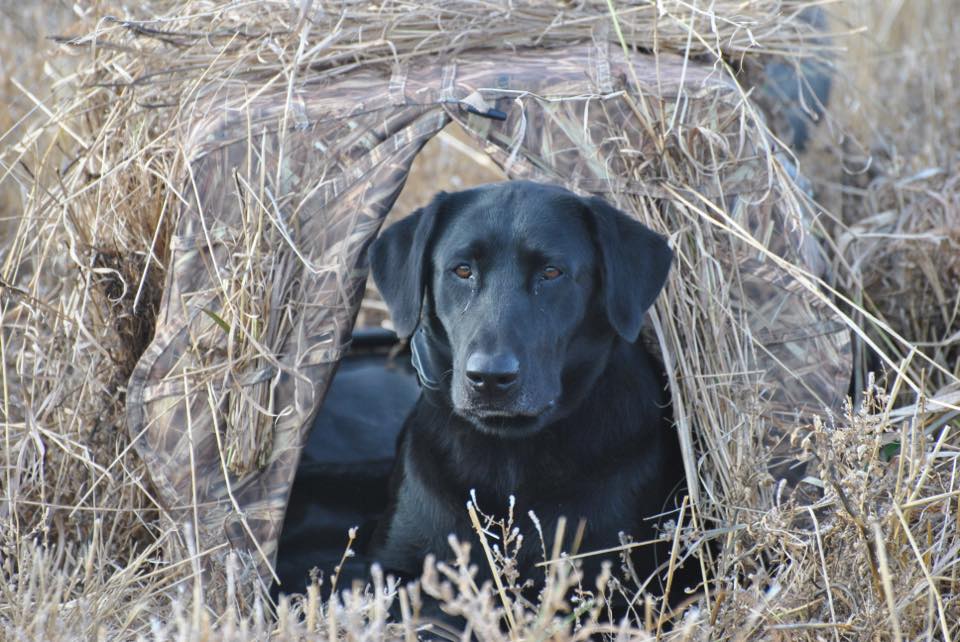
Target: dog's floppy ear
[
  {"x": 635, "y": 262},
  {"x": 398, "y": 259}
]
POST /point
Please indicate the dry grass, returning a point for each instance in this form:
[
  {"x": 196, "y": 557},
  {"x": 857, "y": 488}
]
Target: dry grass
[
  {"x": 84, "y": 552},
  {"x": 887, "y": 167},
  {"x": 28, "y": 74}
]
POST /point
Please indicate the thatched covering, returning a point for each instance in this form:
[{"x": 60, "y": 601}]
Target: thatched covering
[
  {"x": 225, "y": 167},
  {"x": 268, "y": 256}
]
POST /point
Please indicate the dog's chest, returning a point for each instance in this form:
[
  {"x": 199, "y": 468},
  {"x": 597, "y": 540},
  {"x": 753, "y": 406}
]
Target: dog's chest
[
  {"x": 544, "y": 476},
  {"x": 606, "y": 503}
]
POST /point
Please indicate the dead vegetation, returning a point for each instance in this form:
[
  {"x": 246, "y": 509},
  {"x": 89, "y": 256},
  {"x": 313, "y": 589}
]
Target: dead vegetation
[{"x": 871, "y": 554}]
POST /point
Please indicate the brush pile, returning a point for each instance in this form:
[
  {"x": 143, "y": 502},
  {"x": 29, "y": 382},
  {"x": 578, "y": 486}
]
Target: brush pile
[{"x": 809, "y": 517}]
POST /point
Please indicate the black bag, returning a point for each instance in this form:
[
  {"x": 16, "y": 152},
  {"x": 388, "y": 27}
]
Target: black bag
[{"x": 342, "y": 478}]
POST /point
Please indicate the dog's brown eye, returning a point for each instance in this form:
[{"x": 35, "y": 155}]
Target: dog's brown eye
[
  {"x": 463, "y": 271},
  {"x": 550, "y": 273}
]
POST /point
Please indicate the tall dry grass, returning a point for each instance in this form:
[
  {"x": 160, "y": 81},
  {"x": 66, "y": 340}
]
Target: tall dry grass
[
  {"x": 29, "y": 78},
  {"x": 887, "y": 167}
]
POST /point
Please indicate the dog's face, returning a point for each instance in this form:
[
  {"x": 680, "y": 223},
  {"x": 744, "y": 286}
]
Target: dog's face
[
  {"x": 519, "y": 290},
  {"x": 512, "y": 276}
]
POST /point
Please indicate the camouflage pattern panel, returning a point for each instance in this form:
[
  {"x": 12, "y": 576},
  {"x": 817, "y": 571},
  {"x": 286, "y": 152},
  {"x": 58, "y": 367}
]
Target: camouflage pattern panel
[{"x": 267, "y": 269}]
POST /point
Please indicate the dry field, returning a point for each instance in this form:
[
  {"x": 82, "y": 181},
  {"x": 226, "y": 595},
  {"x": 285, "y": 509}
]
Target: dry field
[
  {"x": 27, "y": 75},
  {"x": 876, "y": 555}
]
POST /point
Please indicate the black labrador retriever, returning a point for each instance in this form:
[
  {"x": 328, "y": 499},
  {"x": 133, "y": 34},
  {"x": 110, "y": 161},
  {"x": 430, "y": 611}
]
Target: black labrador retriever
[{"x": 525, "y": 302}]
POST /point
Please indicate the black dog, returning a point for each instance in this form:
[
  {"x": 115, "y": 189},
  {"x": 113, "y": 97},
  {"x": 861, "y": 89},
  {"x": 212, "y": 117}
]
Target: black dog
[{"x": 525, "y": 303}]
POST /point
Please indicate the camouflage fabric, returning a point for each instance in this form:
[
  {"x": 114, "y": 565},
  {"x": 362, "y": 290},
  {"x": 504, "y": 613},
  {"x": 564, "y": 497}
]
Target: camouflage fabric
[{"x": 286, "y": 190}]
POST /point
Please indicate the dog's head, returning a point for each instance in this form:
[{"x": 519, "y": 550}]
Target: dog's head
[{"x": 518, "y": 290}]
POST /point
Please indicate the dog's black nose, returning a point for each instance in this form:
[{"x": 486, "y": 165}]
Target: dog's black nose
[{"x": 492, "y": 372}]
